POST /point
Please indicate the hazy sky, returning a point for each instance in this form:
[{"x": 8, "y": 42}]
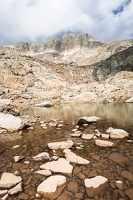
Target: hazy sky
[{"x": 36, "y": 20}]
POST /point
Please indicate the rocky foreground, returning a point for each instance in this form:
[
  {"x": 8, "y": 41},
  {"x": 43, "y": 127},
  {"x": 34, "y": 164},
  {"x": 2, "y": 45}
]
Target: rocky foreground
[{"x": 91, "y": 162}]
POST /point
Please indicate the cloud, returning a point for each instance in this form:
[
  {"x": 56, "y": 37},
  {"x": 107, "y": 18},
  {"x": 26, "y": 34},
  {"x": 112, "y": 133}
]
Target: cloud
[{"x": 35, "y": 20}]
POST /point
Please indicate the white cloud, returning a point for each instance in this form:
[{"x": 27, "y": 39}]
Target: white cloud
[{"x": 30, "y": 20}]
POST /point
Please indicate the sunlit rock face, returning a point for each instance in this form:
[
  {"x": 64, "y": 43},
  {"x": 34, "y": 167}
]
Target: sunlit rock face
[{"x": 67, "y": 69}]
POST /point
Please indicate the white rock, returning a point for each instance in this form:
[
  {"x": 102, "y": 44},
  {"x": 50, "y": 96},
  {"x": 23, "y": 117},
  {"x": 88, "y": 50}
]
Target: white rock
[
  {"x": 61, "y": 145},
  {"x": 52, "y": 186},
  {"x": 76, "y": 134},
  {"x": 16, "y": 189},
  {"x": 130, "y": 100},
  {"x": 16, "y": 146},
  {"x": 87, "y": 136},
  {"x": 3, "y": 192},
  {"x": 27, "y": 162},
  {"x": 55, "y": 157},
  {"x": 117, "y": 133},
  {"x": 119, "y": 184},
  {"x": 9, "y": 122},
  {"x": 105, "y": 136},
  {"x": 9, "y": 180},
  {"x": 73, "y": 158},
  {"x": 42, "y": 156},
  {"x": 5, "y": 197},
  {"x": 5, "y": 102},
  {"x": 61, "y": 165},
  {"x": 96, "y": 185},
  {"x": 18, "y": 158},
  {"x": 74, "y": 130},
  {"x": 44, "y": 172},
  {"x": 85, "y": 120},
  {"x": 103, "y": 143},
  {"x": 85, "y": 125},
  {"x": 44, "y": 104}
]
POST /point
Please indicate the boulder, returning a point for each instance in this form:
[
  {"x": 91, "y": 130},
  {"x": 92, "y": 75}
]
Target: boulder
[
  {"x": 130, "y": 100},
  {"x": 96, "y": 185},
  {"x": 61, "y": 165},
  {"x": 52, "y": 186},
  {"x": 73, "y": 158},
  {"x": 61, "y": 145},
  {"x": 44, "y": 104},
  {"x": 117, "y": 133},
  {"x": 18, "y": 158},
  {"x": 41, "y": 156},
  {"x": 9, "y": 122},
  {"x": 9, "y": 180},
  {"x": 87, "y": 120},
  {"x": 16, "y": 189},
  {"x": 103, "y": 143},
  {"x": 119, "y": 185}
]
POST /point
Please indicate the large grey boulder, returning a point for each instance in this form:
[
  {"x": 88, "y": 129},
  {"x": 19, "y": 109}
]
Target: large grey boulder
[
  {"x": 87, "y": 120},
  {"x": 9, "y": 122},
  {"x": 8, "y": 180},
  {"x": 117, "y": 133},
  {"x": 52, "y": 186},
  {"x": 96, "y": 185}
]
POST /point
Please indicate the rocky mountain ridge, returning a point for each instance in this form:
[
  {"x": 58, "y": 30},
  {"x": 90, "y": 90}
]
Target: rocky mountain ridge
[{"x": 67, "y": 69}]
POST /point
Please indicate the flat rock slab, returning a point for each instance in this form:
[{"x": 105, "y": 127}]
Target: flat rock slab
[
  {"x": 52, "y": 186},
  {"x": 87, "y": 120},
  {"x": 16, "y": 189},
  {"x": 127, "y": 175},
  {"x": 96, "y": 185},
  {"x": 87, "y": 136},
  {"x": 9, "y": 180},
  {"x": 9, "y": 122},
  {"x": 73, "y": 158},
  {"x": 103, "y": 143},
  {"x": 119, "y": 158},
  {"x": 61, "y": 165},
  {"x": 61, "y": 145},
  {"x": 41, "y": 156},
  {"x": 117, "y": 133},
  {"x": 44, "y": 172}
]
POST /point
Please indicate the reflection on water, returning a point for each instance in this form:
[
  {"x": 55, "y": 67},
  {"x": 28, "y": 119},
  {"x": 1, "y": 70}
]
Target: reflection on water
[{"x": 120, "y": 113}]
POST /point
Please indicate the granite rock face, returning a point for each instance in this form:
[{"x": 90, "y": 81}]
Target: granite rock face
[{"x": 77, "y": 63}]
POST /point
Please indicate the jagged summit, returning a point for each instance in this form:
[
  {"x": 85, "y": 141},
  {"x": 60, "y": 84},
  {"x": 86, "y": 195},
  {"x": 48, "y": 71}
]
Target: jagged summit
[
  {"x": 57, "y": 43},
  {"x": 79, "y": 49}
]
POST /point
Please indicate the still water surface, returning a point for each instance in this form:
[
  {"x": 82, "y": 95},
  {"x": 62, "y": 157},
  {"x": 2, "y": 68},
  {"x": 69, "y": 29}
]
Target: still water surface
[{"x": 119, "y": 113}]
